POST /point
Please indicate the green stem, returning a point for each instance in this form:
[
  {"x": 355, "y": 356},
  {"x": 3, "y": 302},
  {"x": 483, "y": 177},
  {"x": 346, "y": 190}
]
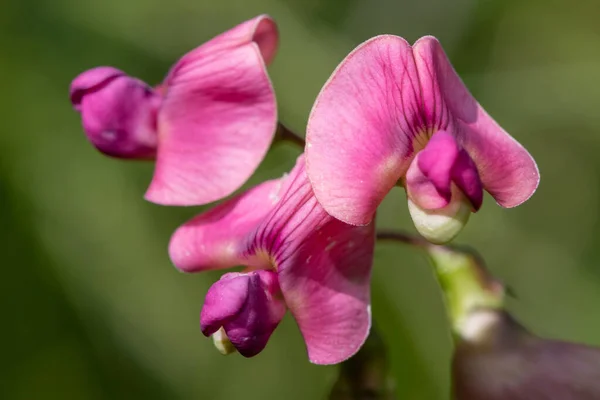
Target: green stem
[{"x": 466, "y": 284}]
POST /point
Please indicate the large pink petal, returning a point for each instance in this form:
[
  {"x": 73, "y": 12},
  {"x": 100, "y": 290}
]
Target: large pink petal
[
  {"x": 326, "y": 285},
  {"x": 218, "y": 117},
  {"x": 362, "y": 127},
  {"x": 324, "y": 268},
  {"x": 260, "y": 31},
  {"x": 218, "y": 237},
  {"x": 507, "y": 170}
]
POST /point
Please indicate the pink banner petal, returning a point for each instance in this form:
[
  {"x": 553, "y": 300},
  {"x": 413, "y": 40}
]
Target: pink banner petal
[
  {"x": 218, "y": 117},
  {"x": 361, "y": 129},
  {"x": 260, "y": 31}
]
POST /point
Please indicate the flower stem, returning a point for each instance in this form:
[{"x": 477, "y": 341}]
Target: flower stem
[
  {"x": 466, "y": 283},
  {"x": 284, "y": 134},
  {"x": 402, "y": 237}
]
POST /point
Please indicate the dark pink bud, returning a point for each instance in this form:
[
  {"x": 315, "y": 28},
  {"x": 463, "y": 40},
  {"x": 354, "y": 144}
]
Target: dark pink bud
[
  {"x": 118, "y": 112},
  {"x": 248, "y": 306}
]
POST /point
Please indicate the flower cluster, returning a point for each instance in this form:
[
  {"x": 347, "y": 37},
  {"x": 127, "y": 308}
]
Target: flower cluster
[{"x": 391, "y": 114}]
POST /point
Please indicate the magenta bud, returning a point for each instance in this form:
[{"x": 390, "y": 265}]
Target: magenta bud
[
  {"x": 248, "y": 306},
  {"x": 118, "y": 112}
]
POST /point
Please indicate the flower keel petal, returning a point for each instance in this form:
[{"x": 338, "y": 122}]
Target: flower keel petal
[
  {"x": 433, "y": 171},
  {"x": 223, "y": 301},
  {"x": 248, "y": 306},
  {"x": 466, "y": 177}
]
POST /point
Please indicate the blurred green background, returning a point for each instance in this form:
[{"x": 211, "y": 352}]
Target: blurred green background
[{"x": 91, "y": 306}]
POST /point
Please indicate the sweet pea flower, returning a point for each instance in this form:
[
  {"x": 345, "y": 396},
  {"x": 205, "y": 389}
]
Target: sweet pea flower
[
  {"x": 297, "y": 257},
  {"x": 394, "y": 113},
  {"x": 208, "y": 125}
]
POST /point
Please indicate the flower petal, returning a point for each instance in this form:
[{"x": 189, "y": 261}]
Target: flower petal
[
  {"x": 248, "y": 306},
  {"x": 224, "y": 300},
  {"x": 437, "y": 159},
  {"x": 260, "y": 31},
  {"x": 324, "y": 268},
  {"x": 218, "y": 117},
  {"x": 118, "y": 112},
  {"x": 466, "y": 177},
  {"x": 507, "y": 170},
  {"x": 326, "y": 285},
  {"x": 421, "y": 190},
  {"x": 250, "y": 331},
  {"x": 90, "y": 81},
  {"x": 218, "y": 238},
  {"x": 361, "y": 129},
  {"x": 429, "y": 177}
]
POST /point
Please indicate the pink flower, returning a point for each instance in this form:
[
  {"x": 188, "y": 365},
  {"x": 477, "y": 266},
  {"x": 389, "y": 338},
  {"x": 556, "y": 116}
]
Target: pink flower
[
  {"x": 394, "y": 113},
  {"x": 209, "y": 124},
  {"x": 297, "y": 257}
]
